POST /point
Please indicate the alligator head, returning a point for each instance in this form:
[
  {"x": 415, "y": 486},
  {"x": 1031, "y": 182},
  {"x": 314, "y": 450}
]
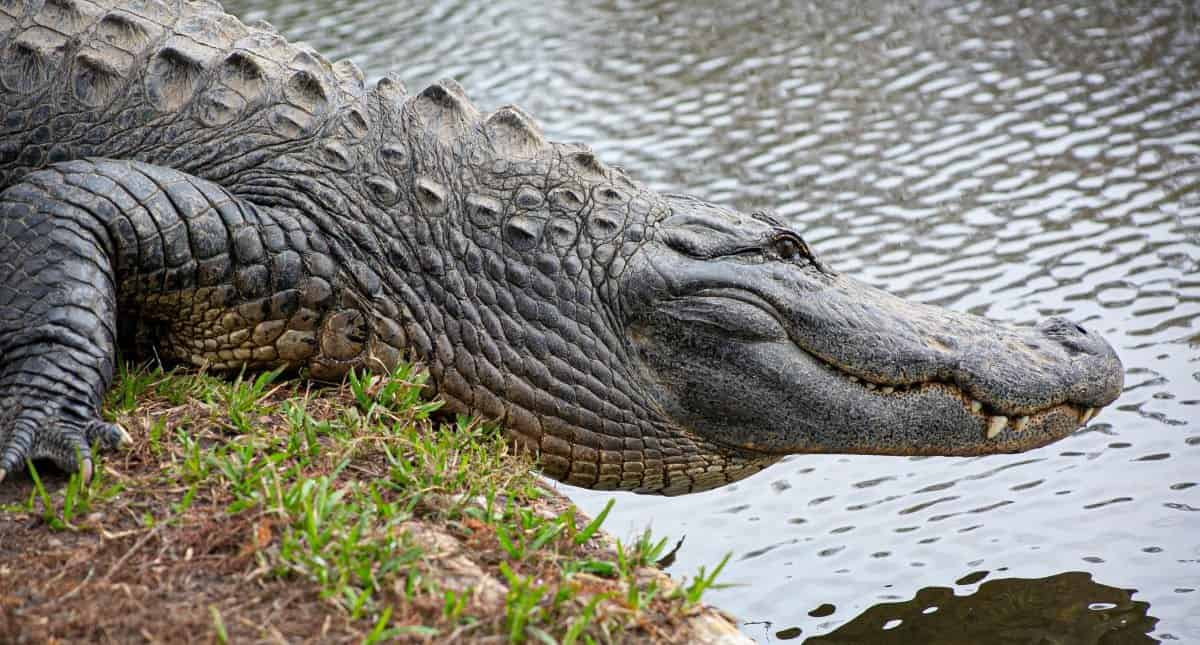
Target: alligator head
[
  {"x": 659, "y": 343},
  {"x": 745, "y": 338}
]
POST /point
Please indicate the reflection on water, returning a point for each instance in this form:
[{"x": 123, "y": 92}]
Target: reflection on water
[
  {"x": 1066, "y": 608},
  {"x": 1016, "y": 161}
]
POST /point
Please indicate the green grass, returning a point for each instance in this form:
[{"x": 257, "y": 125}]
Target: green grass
[
  {"x": 335, "y": 481},
  {"x": 60, "y": 509}
]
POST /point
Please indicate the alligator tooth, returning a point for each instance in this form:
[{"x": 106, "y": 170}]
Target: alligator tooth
[
  {"x": 1087, "y": 416},
  {"x": 1020, "y": 424},
  {"x": 887, "y": 390},
  {"x": 976, "y": 406},
  {"x": 995, "y": 425},
  {"x": 870, "y": 386}
]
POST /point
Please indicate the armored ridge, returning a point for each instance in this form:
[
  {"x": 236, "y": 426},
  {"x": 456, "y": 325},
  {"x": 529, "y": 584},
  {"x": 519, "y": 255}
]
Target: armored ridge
[{"x": 176, "y": 181}]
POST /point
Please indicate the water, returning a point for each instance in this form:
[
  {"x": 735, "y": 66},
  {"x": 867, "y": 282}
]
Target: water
[{"x": 1016, "y": 163}]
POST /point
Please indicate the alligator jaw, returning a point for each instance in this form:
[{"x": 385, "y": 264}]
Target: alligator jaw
[
  {"x": 773, "y": 397},
  {"x": 1001, "y": 432}
]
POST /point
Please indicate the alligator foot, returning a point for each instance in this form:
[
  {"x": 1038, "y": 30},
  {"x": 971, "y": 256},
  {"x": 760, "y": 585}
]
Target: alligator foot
[
  {"x": 57, "y": 325},
  {"x": 63, "y": 444},
  {"x": 73, "y": 233}
]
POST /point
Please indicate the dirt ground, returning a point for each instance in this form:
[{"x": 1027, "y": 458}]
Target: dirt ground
[{"x": 140, "y": 564}]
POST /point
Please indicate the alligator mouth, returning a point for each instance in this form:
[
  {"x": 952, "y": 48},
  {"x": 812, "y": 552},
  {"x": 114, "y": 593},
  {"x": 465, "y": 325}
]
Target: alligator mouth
[
  {"x": 995, "y": 422},
  {"x": 789, "y": 367}
]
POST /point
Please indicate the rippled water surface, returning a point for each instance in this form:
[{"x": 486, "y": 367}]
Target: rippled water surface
[{"x": 1013, "y": 162}]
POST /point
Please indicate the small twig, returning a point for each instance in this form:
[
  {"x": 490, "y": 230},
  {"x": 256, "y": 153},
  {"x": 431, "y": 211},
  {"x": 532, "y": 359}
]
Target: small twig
[
  {"x": 669, "y": 559},
  {"x": 461, "y": 632},
  {"x": 268, "y": 394},
  {"x": 57, "y": 577},
  {"x": 109, "y": 471},
  {"x": 276, "y": 635},
  {"x": 128, "y": 554},
  {"x": 67, "y": 596}
]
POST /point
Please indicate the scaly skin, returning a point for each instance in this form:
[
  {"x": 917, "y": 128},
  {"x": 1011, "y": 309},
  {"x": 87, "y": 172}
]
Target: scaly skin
[{"x": 176, "y": 181}]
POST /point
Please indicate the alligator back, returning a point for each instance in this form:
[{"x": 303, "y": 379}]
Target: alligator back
[{"x": 177, "y": 83}]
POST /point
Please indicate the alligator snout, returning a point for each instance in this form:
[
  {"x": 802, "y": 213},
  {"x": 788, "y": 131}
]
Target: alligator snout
[
  {"x": 836, "y": 365},
  {"x": 1099, "y": 374},
  {"x": 1020, "y": 370}
]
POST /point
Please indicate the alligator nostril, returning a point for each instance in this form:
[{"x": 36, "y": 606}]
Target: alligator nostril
[{"x": 1068, "y": 334}]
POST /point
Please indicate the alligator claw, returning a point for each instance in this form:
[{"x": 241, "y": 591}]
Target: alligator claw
[
  {"x": 66, "y": 446},
  {"x": 109, "y": 435},
  {"x": 125, "y": 441}
]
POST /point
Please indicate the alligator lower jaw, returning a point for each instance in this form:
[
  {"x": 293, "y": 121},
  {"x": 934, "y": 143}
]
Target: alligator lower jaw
[{"x": 994, "y": 424}]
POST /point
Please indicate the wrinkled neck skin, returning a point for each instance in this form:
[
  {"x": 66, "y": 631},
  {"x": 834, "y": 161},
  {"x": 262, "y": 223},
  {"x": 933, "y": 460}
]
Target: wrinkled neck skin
[
  {"x": 503, "y": 260},
  {"x": 659, "y": 343}
]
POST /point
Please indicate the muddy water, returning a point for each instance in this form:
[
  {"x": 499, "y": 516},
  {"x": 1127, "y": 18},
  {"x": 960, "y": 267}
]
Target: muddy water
[{"x": 1016, "y": 163}]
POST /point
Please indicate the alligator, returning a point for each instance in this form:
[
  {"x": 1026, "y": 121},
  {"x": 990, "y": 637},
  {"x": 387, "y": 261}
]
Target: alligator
[{"x": 181, "y": 185}]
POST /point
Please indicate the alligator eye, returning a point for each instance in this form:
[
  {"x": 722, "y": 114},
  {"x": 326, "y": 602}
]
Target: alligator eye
[{"x": 790, "y": 247}]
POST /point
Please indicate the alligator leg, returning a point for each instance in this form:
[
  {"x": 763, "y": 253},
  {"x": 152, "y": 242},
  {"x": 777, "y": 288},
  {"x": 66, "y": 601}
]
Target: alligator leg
[{"x": 80, "y": 240}]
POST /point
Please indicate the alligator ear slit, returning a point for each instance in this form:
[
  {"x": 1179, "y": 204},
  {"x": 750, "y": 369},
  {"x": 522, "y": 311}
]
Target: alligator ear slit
[{"x": 767, "y": 218}]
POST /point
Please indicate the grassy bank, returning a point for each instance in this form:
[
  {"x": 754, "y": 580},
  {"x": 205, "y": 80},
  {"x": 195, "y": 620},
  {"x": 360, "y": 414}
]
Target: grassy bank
[{"x": 251, "y": 510}]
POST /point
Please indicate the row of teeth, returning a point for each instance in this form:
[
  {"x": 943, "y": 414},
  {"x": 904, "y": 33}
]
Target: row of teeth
[{"x": 995, "y": 423}]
